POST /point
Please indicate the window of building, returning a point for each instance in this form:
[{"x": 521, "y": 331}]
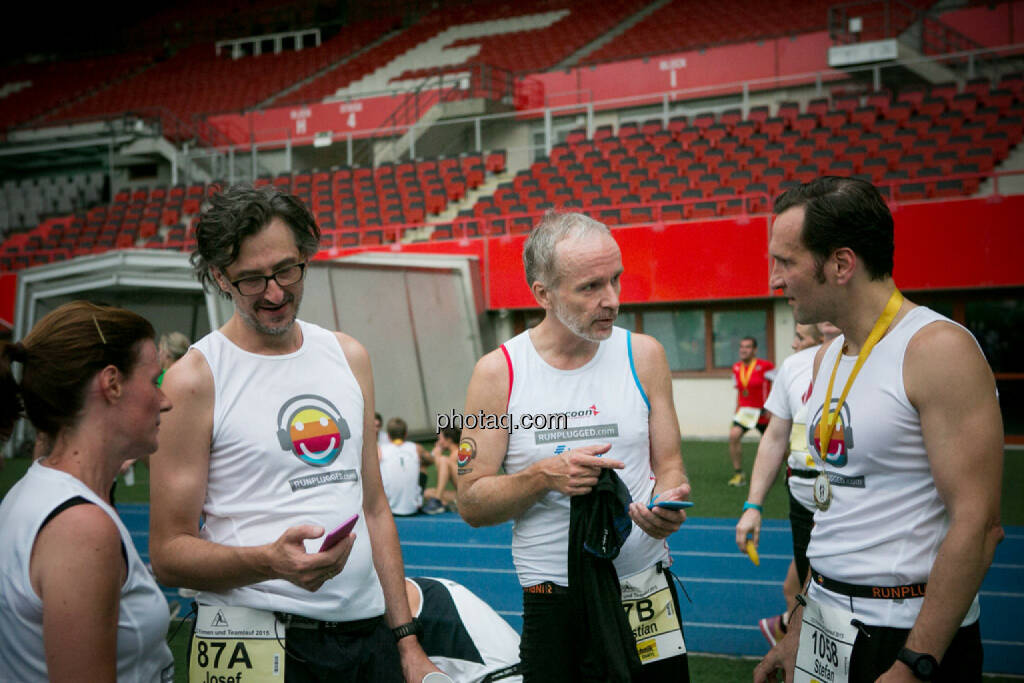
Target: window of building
[
  {"x": 681, "y": 332},
  {"x": 698, "y": 340},
  {"x": 729, "y": 327},
  {"x": 995, "y": 318}
]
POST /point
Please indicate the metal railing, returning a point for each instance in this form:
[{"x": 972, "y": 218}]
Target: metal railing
[
  {"x": 921, "y": 29},
  {"x": 741, "y": 208},
  {"x": 663, "y": 106},
  {"x": 442, "y": 86}
]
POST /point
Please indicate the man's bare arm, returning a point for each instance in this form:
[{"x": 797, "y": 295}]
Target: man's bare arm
[
  {"x": 671, "y": 482},
  {"x": 387, "y": 553},
  {"x": 771, "y": 453},
  {"x": 179, "y": 472},
  {"x": 963, "y": 435},
  {"x": 487, "y": 498}
]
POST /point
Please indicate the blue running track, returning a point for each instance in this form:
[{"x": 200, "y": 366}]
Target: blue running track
[{"x": 729, "y": 594}]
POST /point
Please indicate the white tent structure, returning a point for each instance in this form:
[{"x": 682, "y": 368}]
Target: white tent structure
[{"x": 419, "y": 316}]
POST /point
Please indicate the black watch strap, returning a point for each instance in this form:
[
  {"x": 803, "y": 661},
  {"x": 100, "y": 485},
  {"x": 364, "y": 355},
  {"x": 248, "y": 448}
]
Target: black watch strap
[
  {"x": 922, "y": 665},
  {"x": 411, "y": 628}
]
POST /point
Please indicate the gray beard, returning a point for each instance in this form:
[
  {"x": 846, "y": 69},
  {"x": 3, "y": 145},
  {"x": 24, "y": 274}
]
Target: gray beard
[
  {"x": 270, "y": 331},
  {"x": 574, "y": 325}
]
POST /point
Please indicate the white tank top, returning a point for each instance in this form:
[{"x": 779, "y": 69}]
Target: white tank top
[
  {"x": 287, "y": 450},
  {"x": 142, "y": 620},
  {"x": 605, "y": 403},
  {"x": 400, "y": 471},
  {"x": 787, "y": 401},
  {"x": 886, "y": 520}
]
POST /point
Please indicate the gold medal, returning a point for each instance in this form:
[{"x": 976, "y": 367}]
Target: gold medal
[
  {"x": 829, "y": 417},
  {"x": 744, "y": 375},
  {"x": 822, "y": 492}
]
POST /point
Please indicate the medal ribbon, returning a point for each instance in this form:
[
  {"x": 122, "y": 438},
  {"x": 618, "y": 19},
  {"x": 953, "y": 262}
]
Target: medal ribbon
[
  {"x": 746, "y": 372},
  {"x": 828, "y": 424}
]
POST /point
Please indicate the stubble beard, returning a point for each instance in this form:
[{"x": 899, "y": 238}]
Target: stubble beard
[
  {"x": 575, "y": 324},
  {"x": 276, "y": 331}
]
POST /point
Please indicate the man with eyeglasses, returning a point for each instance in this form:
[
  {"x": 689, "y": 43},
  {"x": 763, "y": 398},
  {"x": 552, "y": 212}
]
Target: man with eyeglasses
[{"x": 266, "y": 447}]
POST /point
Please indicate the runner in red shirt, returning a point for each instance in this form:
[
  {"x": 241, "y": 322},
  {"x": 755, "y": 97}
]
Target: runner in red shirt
[{"x": 752, "y": 388}]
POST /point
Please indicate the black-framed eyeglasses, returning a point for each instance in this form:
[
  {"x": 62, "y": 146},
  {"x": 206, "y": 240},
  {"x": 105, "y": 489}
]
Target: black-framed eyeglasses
[{"x": 257, "y": 284}]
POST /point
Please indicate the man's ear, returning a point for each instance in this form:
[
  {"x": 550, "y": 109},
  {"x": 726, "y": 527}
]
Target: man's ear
[
  {"x": 843, "y": 265},
  {"x": 220, "y": 279},
  {"x": 542, "y": 294}
]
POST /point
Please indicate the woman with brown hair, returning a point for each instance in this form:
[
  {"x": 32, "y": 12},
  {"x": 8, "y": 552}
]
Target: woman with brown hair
[{"x": 76, "y": 601}]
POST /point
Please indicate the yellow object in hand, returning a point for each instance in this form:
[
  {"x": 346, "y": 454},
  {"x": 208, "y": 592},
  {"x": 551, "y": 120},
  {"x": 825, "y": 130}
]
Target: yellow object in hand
[{"x": 752, "y": 553}]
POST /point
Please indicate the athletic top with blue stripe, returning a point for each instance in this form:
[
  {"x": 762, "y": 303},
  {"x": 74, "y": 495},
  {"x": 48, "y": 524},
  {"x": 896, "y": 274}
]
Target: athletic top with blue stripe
[
  {"x": 604, "y": 403},
  {"x": 886, "y": 520}
]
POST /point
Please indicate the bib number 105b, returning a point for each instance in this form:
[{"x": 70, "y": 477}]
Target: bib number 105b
[{"x": 825, "y": 648}]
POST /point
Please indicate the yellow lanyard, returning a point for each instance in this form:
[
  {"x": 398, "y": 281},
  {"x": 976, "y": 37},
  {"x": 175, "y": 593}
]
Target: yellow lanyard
[
  {"x": 828, "y": 425},
  {"x": 745, "y": 376}
]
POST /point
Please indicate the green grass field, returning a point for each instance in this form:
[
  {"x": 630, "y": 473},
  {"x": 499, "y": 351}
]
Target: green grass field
[{"x": 707, "y": 465}]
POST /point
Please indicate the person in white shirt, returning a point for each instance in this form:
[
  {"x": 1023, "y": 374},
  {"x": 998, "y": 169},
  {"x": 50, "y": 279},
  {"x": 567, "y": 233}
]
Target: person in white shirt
[
  {"x": 615, "y": 390},
  {"x": 786, "y": 434},
  {"x": 904, "y": 422},
  {"x": 400, "y": 470},
  {"x": 76, "y": 600},
  {"x": 378, "y": 426},
  {"x": 268, "y": 449}
]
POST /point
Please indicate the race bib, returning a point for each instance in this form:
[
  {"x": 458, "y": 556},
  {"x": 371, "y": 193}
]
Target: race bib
[
  {"x": 747, "y": 417},
  {"x": 826, "y": 643},
  {"x": 652, "y": 615},
  {"x": 798, "y": 448},
  {"x": 236, "y": 644}
]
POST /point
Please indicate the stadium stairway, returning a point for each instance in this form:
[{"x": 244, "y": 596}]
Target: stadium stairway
[
  {"x": 1013, "y": 184},
  {"x": 602, "y": 40},
  {"x": 727, "y": 593},
  {"x": 283, "y": 94}
]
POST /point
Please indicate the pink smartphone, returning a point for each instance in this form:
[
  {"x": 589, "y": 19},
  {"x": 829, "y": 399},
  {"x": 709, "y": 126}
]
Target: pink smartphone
[{"x": 339, "y": 534}]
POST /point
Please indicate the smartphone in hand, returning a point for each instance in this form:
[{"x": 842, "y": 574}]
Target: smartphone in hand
[
  {"x": 671, "y": 504},
  {"x": 341, "y": 533}
]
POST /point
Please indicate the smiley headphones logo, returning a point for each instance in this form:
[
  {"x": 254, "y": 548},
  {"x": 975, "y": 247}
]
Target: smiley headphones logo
[
  {"x": 842, "y": 438},
  {"x": 315, "y": 430}
]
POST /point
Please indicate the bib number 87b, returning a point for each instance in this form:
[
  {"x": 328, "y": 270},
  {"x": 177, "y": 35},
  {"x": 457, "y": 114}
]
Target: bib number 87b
[{"x": 644, "y": 609}]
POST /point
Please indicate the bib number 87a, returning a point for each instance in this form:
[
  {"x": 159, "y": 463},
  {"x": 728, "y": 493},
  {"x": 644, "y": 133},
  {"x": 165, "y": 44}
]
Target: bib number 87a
[
  {"x": 825, "y": 648},
  {"x": 238, "y": 656}
]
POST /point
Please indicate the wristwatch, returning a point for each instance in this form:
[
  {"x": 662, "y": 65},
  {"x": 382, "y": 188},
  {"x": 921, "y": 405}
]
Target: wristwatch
[
  {"x": 922, "y": 665},
  {"x": 412, "y": 628}
]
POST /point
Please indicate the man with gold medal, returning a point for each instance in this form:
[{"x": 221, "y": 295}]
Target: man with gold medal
[
  {"x": 785, "y": 441},
  {"x": 752, "y": 378},
  {"x": 904, "y": 422}
]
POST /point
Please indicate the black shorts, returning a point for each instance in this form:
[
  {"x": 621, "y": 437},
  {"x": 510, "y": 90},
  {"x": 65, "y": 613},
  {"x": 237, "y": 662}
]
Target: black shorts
[
  {"x": 760, "y": 426},
  {"x": 367, "y": 654},
  {"x": 547, "y": 648},
  {"x": 801, "y": 520},
  {"x": 873, "y": 656}
]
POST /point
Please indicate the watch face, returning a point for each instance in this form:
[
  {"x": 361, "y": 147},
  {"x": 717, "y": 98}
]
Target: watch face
[{"x": 925, "y": 667}]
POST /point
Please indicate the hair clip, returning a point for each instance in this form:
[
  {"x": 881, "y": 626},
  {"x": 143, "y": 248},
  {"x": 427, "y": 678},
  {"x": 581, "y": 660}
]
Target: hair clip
[{"x": 97, "y": 323}]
